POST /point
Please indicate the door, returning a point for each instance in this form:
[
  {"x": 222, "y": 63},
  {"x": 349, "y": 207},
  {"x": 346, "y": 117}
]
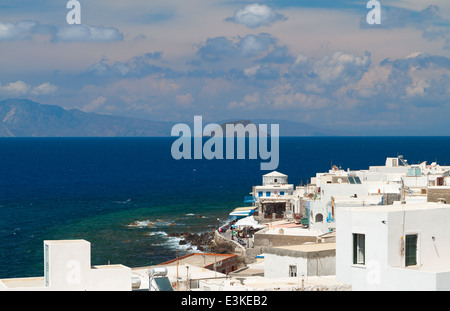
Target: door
[{"x": 411, "y": 250}]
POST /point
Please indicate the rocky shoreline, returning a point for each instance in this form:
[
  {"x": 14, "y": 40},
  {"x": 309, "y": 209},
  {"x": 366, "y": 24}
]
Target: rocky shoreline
[{"x": 204, "y": 242}]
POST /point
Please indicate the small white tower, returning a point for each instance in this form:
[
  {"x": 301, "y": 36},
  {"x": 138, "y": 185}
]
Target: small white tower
[{"x": 275, "y": 178}]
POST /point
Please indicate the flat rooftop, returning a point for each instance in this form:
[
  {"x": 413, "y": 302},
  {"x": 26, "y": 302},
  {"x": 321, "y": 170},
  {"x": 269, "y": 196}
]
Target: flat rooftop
[
  {"x": 296, "y": 231},
  {"x": 260, "y": 283},
  {"x": 198, "y": 259},
  {"x": 23, "y": 282},
  {"x": 309, "y": 247},
  {"x": 276, "y": 186},
  {"x": 397, "y": 207}
]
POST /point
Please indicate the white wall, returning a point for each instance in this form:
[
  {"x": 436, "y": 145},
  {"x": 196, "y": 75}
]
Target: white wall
[
  {"x": 415, "y": 181},
  {"x": 318, "y": 207},
  {"x": 276, "y": 266},
  {"x": 329, "y": 190},
  {"x": 384, "y": 268},
  {"x": 287, "y": 189},
  {"x": 67, "y": 267},
  {"x": 376, "y": 238}
]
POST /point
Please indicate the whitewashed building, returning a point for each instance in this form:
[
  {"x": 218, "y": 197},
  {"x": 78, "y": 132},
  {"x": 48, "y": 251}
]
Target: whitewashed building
[
  {"x": 394, "y": 181},
  {"x": 273, "y": 198},
  {"x": 394, "y": 247},
  {"x": 308, "y": 259},
  {"x": 67, "y": 267}
]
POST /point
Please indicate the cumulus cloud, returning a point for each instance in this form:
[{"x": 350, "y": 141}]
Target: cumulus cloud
[
  {"x": 138, "y": 66},
  {"x": 420, "y": 79},
  {"x": 258, "y": 74},
  {"x": 428, "y": 21},
  {"x": 394, "y": 17},
  {"x": 251, "y": 44},
  {"x": 20, "y": 88},
  {"x": 85, "y": 33},
  {"x": 26, "y": 30},
  {"x": 23, "y": 30},
  {"x": 340, "y": 69},
  {"x": 216, "y": 48},
  {"x": 45, "y": 89},
  {"x": 418, "y": 60},
  {"x": 256, "y": 15},
  {"x": 263, "y": 47}
]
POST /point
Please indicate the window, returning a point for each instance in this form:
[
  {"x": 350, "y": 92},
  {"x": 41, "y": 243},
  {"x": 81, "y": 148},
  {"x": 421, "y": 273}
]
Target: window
[
  {"x": 292, "y": 271},
  {"x": 319, "y": 218},
  {"x": 268, "y": 194},
  {"x": 411, "y": 250},
  {"x": 260, "y": 194},
  {"x": 275, "y": 180},
  {"x": 358, "y": 249},
  {"x": 281, "y": 192}
]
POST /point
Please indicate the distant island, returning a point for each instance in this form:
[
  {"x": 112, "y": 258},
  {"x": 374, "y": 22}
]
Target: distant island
[{"x": 26, "y": 118}]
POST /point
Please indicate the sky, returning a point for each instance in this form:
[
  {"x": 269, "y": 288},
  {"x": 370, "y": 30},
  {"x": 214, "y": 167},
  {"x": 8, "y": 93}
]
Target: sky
[{"x": 312, "y": 61}]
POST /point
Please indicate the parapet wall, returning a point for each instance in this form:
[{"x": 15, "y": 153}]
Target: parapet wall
[
  {"x": 238, "y": 249},
  {"x": 264, "y": 239}
]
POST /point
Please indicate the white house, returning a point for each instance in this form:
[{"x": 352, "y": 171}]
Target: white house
[
  {"x": 315, "y": 259},
  {"x": 394, "y": 247},
  {"x": 274, "y": 197},
  {"x": 274, "y": 185},
  {"x": 67, "y": 267}
]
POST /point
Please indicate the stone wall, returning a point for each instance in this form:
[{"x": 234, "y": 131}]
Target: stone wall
[
  {"x": 435, "y": 193},
  {"x": 236, "y": 248}
]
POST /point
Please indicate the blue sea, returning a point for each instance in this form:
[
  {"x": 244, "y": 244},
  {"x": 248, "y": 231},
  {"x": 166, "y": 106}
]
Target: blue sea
[{"x": 126, "y": 195}]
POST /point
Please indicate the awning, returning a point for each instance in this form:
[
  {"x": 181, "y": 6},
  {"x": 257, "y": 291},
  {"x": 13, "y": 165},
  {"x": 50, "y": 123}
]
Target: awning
[
  {"x": 248, "y": 222},
  {"x": 241, "y": 212}
]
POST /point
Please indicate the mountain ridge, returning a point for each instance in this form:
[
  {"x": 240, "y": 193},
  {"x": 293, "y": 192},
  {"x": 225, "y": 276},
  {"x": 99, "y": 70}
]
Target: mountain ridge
[{"x": 26, "y": 118}]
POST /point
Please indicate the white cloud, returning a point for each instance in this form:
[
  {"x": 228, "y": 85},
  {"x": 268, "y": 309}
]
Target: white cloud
[
  {"x": 418, "y": 88},
  {"x": 256, "y": 15},
  {"x": 341, "y": 68},
  {"x": 86, "y": 33},
  {"x": 26, "y": 30},
  {"x": 252, "y": 44},
  {"x": 45, "y": 89},
  {"x": 20, "y": 88},
  {"x": 251, "y": 71}
]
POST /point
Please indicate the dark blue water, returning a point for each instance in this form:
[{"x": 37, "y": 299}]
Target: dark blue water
[{"x": 125, "y": 195}]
